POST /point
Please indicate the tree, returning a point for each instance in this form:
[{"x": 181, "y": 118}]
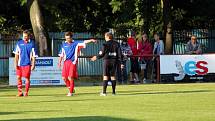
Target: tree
[
  {"x": 167, "y": 26},
  {"x": 37, "y": 22}
]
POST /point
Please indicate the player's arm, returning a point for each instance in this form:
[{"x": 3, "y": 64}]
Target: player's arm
[
  {"x": 100, "y": 55},
  {"x": 16, "y": 51},
  {"x": 33, "y": 63},
  {"x": 61, "y": 55},
  {"x": 59, "y": 61},
  {"x": 16, "y": 59},
  {"x": 89, "y": 41},
  {"x": 33, "y": 56}
]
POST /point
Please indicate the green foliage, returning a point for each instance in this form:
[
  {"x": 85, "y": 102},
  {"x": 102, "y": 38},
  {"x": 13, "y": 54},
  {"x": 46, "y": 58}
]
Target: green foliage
[
  {"x": 13, "y": 17},
  {"x": 23, "y": 2},
  {"x": 2, "y": 20},
  {"x": 178, "y": 14},
  {"x": 77, "y": 15},
  {"x": 194, "y": 14},
  {"x": 99, "y": 15},
  {"x": 116, "y": 4}
]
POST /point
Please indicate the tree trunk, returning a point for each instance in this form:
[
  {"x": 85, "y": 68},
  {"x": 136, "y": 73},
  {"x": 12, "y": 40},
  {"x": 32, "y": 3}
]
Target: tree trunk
[
  {"x": 168, "y": 42},
  {"x": 37, "y": 22},
  {"x": 167, "y": 26}
]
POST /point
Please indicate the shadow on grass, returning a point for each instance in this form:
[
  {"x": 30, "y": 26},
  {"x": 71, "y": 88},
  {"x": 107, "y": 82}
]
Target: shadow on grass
[
  {"x": 55, "y": 101},
  {"x": 170, "y": 92},
  {"x": 69, "y": 100},
  {"x": 7, "y": 113},
  {"x": 83, "y": 118}
]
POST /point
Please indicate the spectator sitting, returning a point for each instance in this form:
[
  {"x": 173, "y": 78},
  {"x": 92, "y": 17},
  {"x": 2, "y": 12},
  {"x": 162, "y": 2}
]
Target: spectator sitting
[{"x": 193, "y": 46}]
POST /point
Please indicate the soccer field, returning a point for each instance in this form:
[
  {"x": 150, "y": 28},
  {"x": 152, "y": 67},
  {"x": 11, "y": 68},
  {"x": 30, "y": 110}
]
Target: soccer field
[{"x": 153, "y": 102}]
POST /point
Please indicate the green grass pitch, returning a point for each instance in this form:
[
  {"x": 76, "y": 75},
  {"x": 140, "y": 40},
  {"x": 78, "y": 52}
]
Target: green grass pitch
[{"x": 152, "y": 102}]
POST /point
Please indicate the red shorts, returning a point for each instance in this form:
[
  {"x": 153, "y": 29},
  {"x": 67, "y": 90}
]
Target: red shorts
[
  {"x": 23, "y": 71},
  {"x": 69, "y": 70}
]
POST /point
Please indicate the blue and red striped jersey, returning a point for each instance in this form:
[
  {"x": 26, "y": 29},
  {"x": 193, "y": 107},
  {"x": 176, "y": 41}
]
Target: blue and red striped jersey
[
  {"x": 25, "y": 52},
  {"x": 69, "y": 51}
]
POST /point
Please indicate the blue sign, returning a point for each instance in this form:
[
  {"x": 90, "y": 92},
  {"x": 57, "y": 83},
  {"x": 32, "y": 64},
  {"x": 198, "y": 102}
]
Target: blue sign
[
  {"x": 44, "y": 62},
  {"x": 42, "y": 82}
]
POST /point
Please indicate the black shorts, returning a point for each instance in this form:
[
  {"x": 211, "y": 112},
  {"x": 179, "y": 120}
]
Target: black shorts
[
  {"x": 109, "y": 67},
  {"x": 134, "y": 65}
]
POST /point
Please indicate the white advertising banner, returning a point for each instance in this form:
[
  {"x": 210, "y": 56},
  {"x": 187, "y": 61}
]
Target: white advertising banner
[
  {"x": 46, "y": 72},
  {"x": 187, "y": 65}
]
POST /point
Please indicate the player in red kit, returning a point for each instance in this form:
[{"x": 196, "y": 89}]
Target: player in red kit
[
  {"x": 25, "y": 53},
  {"x": 69, "y": 54}
]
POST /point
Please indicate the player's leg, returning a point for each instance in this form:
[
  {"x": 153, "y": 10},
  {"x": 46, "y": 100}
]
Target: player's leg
[
  {"x": 73, "y": 74},
  {"x": 19, "y": 86},
  {"x": 19, "y": 81},
  {"x": 67, "y": 82},
  {"x": 105, "y": 84},
  {"x": 113, "y": 79},
  {"x": 65, "y": 73},
  {"x": 27, "y": 86},
  {"x": 26, "y": 71},
  {"x": 106, "y": 77},
  {"x": 72, "y": 85},
  {"x": 113, "y": 68}
]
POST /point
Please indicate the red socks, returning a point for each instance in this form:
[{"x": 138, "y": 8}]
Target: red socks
[
  {"x": 71, "y": 86},
  {"x": 19, "y": 86},
  {"x": 27, "y": 86},
  {"x": 67, "y": 83}
]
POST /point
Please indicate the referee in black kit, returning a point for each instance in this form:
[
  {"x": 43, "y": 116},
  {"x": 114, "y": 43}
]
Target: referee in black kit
[{"x": 111, "y": 53}]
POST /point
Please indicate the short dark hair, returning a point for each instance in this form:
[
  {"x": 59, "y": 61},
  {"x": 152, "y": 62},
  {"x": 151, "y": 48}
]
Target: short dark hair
[
  {"x": 157, "y": 33},
  {"x": 145, "y": 34},
  {"x": 109, "y": 34},
  {"x": 69, "y": 34},
  {"x": 27, "y": 32}
]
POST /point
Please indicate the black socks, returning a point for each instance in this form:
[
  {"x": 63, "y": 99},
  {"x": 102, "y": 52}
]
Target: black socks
[{"x": 105, "y": 83}]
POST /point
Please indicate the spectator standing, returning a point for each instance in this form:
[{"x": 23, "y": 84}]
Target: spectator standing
[
  {"x": 157, "y": 50},
  {"x": 134, "y": 60},
  {"x": 145, "y": 49}
]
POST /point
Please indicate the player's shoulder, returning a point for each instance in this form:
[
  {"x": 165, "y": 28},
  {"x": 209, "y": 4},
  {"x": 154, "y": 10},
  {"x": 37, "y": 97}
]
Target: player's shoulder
[
  {"x": 19, "y": 40},
  {"x": 64, "y": 43}
]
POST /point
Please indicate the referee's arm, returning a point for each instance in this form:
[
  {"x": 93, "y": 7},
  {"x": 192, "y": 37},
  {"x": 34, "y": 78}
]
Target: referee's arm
[{"x": 101, "y": 53}]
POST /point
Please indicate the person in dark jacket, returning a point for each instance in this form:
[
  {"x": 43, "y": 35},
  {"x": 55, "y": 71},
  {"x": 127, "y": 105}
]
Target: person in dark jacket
[
  {"x": 111, "y": 53},
  {"x": 122, "y": 75}
]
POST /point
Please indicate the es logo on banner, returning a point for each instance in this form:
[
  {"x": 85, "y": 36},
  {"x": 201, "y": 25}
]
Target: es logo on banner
[{"x": 191, "y": 68}]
